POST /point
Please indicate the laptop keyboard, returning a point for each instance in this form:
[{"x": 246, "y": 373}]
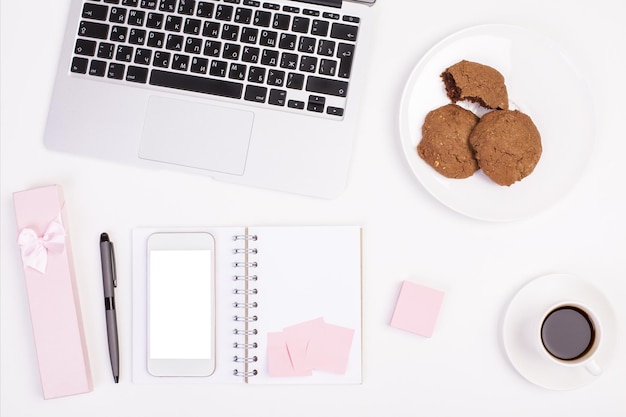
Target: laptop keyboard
[{"x": 273, "y": 54}]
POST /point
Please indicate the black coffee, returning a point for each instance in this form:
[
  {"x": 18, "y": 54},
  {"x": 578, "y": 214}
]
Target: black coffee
[{"x": 567, "y": 333}]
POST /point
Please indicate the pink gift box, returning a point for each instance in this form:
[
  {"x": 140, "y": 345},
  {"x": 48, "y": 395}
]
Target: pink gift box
[{"x": 44, "y": 244}]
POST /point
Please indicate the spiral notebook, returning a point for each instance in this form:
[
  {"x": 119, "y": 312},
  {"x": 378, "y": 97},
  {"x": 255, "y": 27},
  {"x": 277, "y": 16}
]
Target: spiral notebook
[{"x": 300, "y": 289}]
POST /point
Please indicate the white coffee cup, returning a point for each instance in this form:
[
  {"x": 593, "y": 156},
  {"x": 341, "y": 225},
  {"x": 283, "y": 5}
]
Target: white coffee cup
[{"x": 569, "y": 334}]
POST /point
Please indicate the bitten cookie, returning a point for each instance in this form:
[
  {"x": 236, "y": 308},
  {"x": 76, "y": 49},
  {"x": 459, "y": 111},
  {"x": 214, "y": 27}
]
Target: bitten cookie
[
  {"x": 507, "y": 145},
  {"x": 444, "y": 145},
  {"x": 477, "y": 83}
]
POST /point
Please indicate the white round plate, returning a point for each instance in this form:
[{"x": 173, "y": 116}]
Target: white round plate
[
  {"x": 541, "y": 82},
  {"x": 525, "y": 311}
]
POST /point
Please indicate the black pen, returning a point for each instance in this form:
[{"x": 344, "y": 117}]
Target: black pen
[{"x": 109, "y": 281}]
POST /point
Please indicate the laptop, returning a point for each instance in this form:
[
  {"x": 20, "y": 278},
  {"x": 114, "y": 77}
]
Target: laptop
[{"x": 254, "y": 92}]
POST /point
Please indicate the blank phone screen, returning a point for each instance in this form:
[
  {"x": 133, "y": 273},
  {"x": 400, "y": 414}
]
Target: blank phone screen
[{"x": 180, "y": 304}]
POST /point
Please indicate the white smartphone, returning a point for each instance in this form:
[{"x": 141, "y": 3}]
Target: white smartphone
[{"x": 181, "y": 304}]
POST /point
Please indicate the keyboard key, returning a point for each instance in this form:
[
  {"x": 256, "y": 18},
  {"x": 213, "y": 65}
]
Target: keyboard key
[
  {"x": 326, "y": 86},
  {"x": 316, "y": 104},
  {"x": 289, "y": 61},
  {"x": 167, "y": 5},
  {"x": 212, "y": 48},
  {"x": 295, "y": 81},
  {"x": 79, "y": 65},
  {"x": 119, "y": 33},
  {"x": 328, "y": 67},
  {"x": 306, "y": 45},
  {"x": 319, "y": 27},
  {"x": 295, "y": 104},
  {"x": 116, "y": 71},
  {"x": 256, "y": 75},
  {"x": 148, "y": 4},
  {"x": 192, "y": 26},
  {"x": 310, "y": 12},
  {"x": 193, "y": 45},
  {"x": 95, "y": 11},
  {"x": 93, "y": 30},
  {"x": 281, "y": 21},
  {"x": 124, "y": 53},
  {"x": 154, "y": 20},
  {"x": 118, "y": 15},
  {"x": 137, "y": 36},
  {"x": 186, "y": 7},
  {"x": 224, "y": 12},
  {"x": 344, "y": 32},
  {"x": 85, "y": 47},
  {"x": 351, "y": 19},
  {"x": 271, "y": 6},
  {"x": 231, "y": 51},
  {"x": 345, "y": 53},
  {"x": 250, "y": 54},
  {"x": 211, "y": 29},
  {"x": 287, "y": 41},
  {"x": 276, "y": 78},
  {"x": 230, "y": 32},
  {"x": 249, "y": 35},
  {"x": 197, "y": 84},
  {"x": 326, "y": 47},
  {"x": 243, "y": 15},
  {"x": 199, "y": 65},
  {"x": 334, "y": 111},
  {"x": 205, "y": 9},
  {"x": 106, "y": 50},
  {"x": 180, "y": 62},
  {"x": 300, "y": 24},
  {"x": 268, "y": 38},
  {"x": 156, "y": 39},
  {"x": 136, "y": 17},
  {"x": 174, "y": 43},
  {"x": 308, "y": 63},
  {"x": 256, "y": 93},
  {"x": 97, "y": 68},
  {"x": 237, "y": 71},
  {"x": 218, "y": 68},
  {"x": 137, "y": 74},
  {"x": 173, "y": 23},
  {"x": 277, "y": 97},
  {"x": 269, "y": 57},
  {"x": 161, "y": 59},
  {"x": 262, "y": 18},
  {"x": 143, "y": 56}
]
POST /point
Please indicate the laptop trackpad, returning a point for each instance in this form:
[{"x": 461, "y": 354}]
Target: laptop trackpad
[{"x": 196, "y": 135}]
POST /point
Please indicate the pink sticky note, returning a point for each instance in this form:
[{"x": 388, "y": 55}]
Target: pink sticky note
[
  {"x": 297, "y": 338},
  {"x": 278, "y": 361},
  {"x": 417, "y": 309},
  {"x": 329, "y": 348}
]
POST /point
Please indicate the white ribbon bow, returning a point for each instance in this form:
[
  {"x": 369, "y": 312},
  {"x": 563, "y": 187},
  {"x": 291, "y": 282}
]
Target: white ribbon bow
[{"x": 35, "y": 249}]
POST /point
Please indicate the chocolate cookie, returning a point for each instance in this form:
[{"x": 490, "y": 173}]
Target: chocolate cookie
[
  {"x": 507, "y": 145},
  {"x": 477, "y": 83},
  {"x": 444, "y": 144}
]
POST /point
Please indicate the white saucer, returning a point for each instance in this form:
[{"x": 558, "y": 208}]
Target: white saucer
[
  {"x": 542, "y": 82},
  {"x": 528, "y": 306}
]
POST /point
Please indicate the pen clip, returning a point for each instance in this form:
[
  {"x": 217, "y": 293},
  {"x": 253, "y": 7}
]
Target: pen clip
[{"x": 113, "y": 268}]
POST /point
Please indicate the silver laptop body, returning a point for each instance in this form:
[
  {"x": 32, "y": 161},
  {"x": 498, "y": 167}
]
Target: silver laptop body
[{"x": 212, "y": 87}]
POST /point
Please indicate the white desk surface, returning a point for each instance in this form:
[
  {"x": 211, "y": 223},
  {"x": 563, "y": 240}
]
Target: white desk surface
[{"x": 463, "y": 369}]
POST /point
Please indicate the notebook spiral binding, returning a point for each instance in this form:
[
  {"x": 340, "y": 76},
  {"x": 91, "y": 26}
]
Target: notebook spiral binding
[{"x": 245, "y": 332}]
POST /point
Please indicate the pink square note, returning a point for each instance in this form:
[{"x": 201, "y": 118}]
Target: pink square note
[{"x": 417, "y": 309}]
